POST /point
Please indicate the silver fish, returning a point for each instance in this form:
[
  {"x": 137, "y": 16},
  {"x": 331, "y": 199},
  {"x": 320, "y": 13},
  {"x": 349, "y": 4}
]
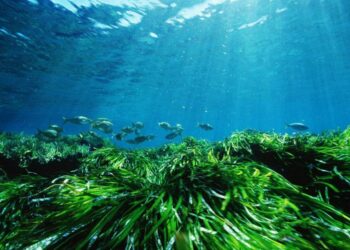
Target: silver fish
[
  {"x": 56, "y": 127},
  {"x": 81, "y": 120},
  {"x": 172, "y": 135},
  {"x": 49, "y": 133},
  {"x": 164, "y": 125},
  {"x": 138, "y": 125},
  {"x": 298, "y": 126},
  {"x": 103, "y": 119},
  {"x": 177, "y": 128},
  {"x": 120, "y": 136},
  {"x": 205, "y": 126},
  {"x": 104, "y": 126},
  {"x": 141, "y": 138},
  {"x": 128, "y": 129}
]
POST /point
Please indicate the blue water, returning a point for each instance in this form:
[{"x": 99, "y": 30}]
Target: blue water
[{"x": 238, "y": 64}]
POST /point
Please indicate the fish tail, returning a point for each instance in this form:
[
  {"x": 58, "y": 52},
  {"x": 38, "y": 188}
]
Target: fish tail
[{"x": 64, "y": 120}]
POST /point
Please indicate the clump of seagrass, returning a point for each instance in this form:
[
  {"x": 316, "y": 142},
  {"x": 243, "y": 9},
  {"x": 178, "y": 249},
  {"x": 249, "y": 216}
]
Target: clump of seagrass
[
  {"x": 318, "y": 163},
  {"x": 21, "y": 153},
  {"x": 193, "y": 195}
]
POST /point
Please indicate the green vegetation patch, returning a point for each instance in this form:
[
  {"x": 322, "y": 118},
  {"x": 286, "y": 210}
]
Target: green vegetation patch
[
  {"x": 21, "y": 153},
  {"x": 242, "y": 193}
]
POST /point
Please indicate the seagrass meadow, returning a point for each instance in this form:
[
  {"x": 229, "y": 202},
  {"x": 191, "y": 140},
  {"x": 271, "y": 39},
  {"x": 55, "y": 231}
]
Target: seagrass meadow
[{"x": 253, "y": 190}]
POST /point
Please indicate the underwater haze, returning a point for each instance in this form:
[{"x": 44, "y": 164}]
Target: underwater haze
[
  {"x": 175, "y": 125},
  {"x": 234, "y": 64}
]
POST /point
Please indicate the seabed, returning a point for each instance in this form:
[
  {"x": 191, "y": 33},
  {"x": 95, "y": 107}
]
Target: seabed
[{"x": 253, "y": 190}]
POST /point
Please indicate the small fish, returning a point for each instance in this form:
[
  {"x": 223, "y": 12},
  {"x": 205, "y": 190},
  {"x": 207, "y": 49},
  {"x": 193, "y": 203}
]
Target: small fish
[
  {"x": 141, "y": 138},
  {"x": 298, "y": 126},
  {"x": 88, "y": 134},
  {"x": 102, "y": 123},
  {"x": 120, "y": 136},
  {"x": 91, "y": 139},
  {"x": 81, "y": 120},
  {"x": 103, "y": 119},
  {"x": 104, "y": 126},
  {"x": 172, "y": 135},
  {"x": 138, "y": 125},
  {"x": 128, "y": 129},
  {"x": 49, "y": 133},
  {"x": 164, "y": 125},
  {"x": 104, "y": 129},
  {"x": 178, "y": 128},
  {"x": 205, "y": 126},
  {"x": 56, "y": 127}
]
